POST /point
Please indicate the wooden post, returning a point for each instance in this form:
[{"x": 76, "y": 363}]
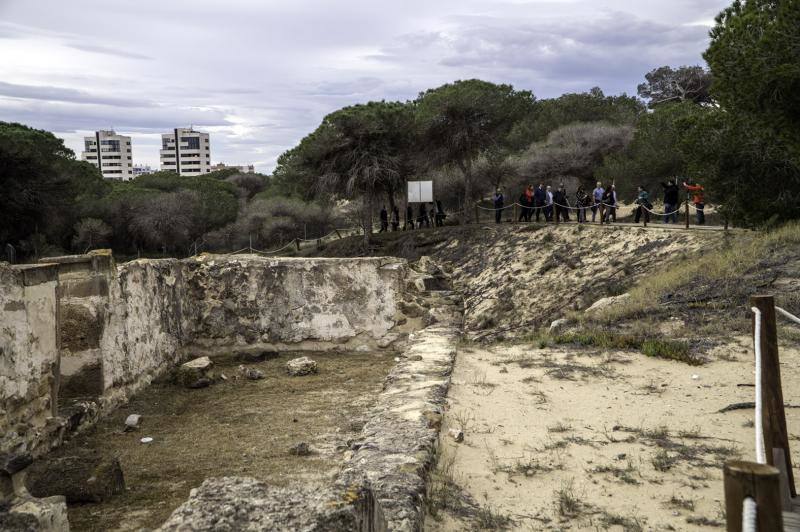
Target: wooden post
[
  {"x": 338, "y": 234},
  {"x": 556, "y": 212},
  {"x": 758, "y": 481},
  {"x": 687, "y": 213},
  {"x": 773, "y": 417},
  {"x": 726, "y": 224},
  {"x": 645, "y": 214},
  {"x": 514, "y": 219},
  {"x": 297, "y": 243}
]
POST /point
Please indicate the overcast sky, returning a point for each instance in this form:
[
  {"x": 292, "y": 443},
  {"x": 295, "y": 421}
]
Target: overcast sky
[{"x": 260, "y": 74}]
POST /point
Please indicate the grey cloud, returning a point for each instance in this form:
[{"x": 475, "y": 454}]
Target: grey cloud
[
  {"x": 261, "y": 75},
  {"x": 62, "y": 94},
  {"x": 60, "y": 116}
]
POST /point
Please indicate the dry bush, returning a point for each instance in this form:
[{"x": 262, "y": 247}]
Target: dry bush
[{"x": 573, "y": 150}]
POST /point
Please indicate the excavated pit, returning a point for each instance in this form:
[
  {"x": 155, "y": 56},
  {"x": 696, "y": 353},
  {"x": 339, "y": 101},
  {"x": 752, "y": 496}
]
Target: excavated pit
[
  {"x": 237, "y": 427},
  {"x": 93, "y": 342}
]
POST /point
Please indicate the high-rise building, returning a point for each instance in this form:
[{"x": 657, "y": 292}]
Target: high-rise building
[
  {"x": 186, "y": 152},
  {"x": 111, "y": 153},
  {"x": 243, "y": 168},
  {"x": 141, "y": 169}
]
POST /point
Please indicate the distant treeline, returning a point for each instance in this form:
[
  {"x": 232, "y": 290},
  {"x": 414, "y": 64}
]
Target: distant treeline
[{"x": 734, "y": 127}]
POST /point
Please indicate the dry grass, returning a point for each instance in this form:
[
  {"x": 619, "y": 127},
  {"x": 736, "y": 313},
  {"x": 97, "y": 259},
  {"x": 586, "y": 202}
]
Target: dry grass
[
  {"x": 649, "y": 346},
  {"x": 723, "y": 268}
]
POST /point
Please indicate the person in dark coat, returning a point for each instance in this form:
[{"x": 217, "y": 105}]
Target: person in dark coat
[
  {"x": 395, "y": 218},
  {"x": 643, "y": 205},
  {"x": 440, "y": 215},
  {"x": 498, "y": 200},
  {"x": 384, "y": 219},
  {"x": 539, "y": 200},
  {"x": 582, "y": 201},
  {"x": 561, "y": 203},
  {"x": 409, "y": 218},
  {"x": 422, "y": 217},
  {"x": 523, "y": 211},
  {"x": 671, "y": 201}
]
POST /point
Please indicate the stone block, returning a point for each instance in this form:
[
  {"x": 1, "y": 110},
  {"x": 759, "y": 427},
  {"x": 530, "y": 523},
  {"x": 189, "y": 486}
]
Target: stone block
[{"x": 195, "y": 372}]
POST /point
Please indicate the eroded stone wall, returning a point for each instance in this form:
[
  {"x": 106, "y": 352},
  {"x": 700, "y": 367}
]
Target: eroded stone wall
[
  {"x": 28, "y": 355},
  {"x": 83, "y": 282},
  {"x": 146, "y": 325},
  {"x": 163, "y": 311},
  {"x": 244, "y": 300}
]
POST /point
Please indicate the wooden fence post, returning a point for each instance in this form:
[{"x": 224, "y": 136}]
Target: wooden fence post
[
  {"x": 514, "y": 219},
  {"x": 338, "y": 234},
  {"x": 758, "y": 481},
  {"x": 776, "y": 435},
  {"x": 645, "y": 214},
  {"x": 297, "y": 243}
]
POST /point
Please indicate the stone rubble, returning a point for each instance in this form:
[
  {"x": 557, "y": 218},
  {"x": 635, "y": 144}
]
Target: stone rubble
[
  {"x": 196, "y": 373},
  {"x": 298, "y": 367}
]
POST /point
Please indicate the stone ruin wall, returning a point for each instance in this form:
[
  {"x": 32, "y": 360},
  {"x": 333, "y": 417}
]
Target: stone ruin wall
[
  {"x": 126, "y": 325},
  {"x": 28, "y": 354}
]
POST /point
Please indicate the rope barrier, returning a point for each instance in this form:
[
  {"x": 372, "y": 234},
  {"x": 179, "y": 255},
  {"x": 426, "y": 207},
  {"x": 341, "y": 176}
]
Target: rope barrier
[
  {"x": 749, "y": 515},
  {"x": 788, "y": 315},
  {"x": 760, "y": 454},
  {"x": 584, "y": 207}
]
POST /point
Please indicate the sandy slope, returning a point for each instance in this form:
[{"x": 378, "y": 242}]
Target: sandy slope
[
  {"x": 531, "y": 433},
  {"x": 517, "y": 278}
]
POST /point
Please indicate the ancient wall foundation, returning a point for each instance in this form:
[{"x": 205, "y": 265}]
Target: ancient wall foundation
[{"x": 123, "y": 326}]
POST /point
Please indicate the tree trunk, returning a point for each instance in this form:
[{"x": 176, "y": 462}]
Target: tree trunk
[
  {"x": 466, "y": 169},
  {"x": 366, "y": 219},
  {"x": 390, "y": 197}
]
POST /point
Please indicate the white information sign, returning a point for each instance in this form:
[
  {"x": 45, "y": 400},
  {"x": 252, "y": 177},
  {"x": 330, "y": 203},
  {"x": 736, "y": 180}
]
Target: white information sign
[{"x": 420, "y": 191}]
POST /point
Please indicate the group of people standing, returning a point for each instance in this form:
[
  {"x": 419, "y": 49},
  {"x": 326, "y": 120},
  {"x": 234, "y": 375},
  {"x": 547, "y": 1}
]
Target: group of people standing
[
  {"x": 672, "y": 202},
  {"x": 602, "y": 201},
  {"x": 427, "y": 213},
  {"x": 541, "y": 200}
]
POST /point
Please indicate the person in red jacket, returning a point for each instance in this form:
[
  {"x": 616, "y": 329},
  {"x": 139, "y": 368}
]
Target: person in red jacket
[{"x": 698, "y": 200}]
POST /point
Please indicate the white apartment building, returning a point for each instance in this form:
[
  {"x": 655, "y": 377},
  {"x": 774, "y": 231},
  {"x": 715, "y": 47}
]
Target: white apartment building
[
  {"x": 186, "y": 152},
  {"x": 111, "y": 153},
  {"x": 243, "y": 168},
  {"x": 141, "y": 169}
]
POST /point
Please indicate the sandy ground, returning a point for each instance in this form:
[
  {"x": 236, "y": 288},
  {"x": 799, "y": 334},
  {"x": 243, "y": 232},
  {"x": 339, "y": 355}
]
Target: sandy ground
[
  {"x": 568, "y": 438},
  {"x": 238, "y": 427}
]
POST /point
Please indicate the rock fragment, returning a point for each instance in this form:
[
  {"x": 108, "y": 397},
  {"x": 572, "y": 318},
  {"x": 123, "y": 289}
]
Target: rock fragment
[
  {"x": 301, "y": 366},
  {"x": 251, "y": 373},
  {"x": 300, "y": 449},
  {"x": 456, "y": 434},
  {"x": 195, "y": 373},
  {"x": 132, "y": 421}
]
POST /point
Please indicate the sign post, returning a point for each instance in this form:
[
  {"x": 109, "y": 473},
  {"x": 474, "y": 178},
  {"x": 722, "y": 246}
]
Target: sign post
[{"x": 420, "y": 192}]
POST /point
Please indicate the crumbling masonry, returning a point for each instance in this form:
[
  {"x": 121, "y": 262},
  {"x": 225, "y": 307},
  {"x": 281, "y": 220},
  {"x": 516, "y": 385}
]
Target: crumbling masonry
[{"x": 80, "y": 335}]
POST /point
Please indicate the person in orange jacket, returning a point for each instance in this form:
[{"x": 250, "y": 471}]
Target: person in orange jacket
[{"x": 699, "y": 201}]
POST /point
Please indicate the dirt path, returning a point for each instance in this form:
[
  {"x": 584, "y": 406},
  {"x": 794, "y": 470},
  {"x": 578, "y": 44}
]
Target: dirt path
[{"x": 568, "y": 438}]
